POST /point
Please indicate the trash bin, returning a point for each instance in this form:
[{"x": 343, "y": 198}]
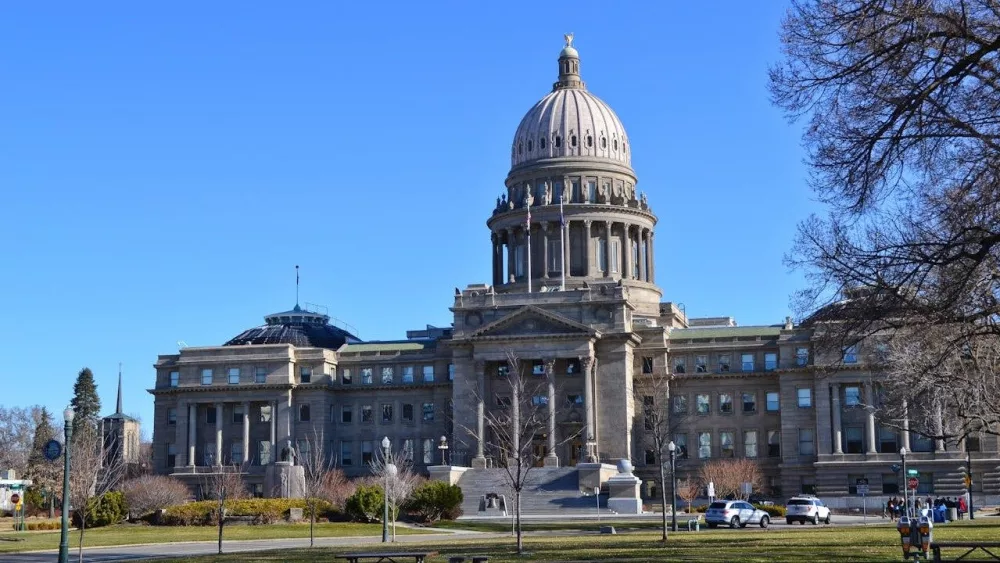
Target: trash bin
[{"x": 952, "y": 514}]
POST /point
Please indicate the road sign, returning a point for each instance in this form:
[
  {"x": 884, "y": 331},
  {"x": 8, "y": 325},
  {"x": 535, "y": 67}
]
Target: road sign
[
  {"x": 15, "y": 498},
  {"x": 861, "y": 481},
  {"x": 912, "y": 472},
  {"x": 52, "y": 450},
  {"x": 912, "y": 482},
  {"x": 862, "y": 490}
]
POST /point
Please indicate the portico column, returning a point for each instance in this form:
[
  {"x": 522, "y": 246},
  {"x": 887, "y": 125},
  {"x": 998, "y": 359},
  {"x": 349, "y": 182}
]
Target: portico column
[
  {"x": 545, "y": 249},
  {"x": 218, "y": 434},
  {"x": 566, "y": 253},
  {"x": 274, "y": 431},
  {"x": 627, "y": 274},
  {"x": 587, "y": 364},
  {"x": 551, "y": 458},
  {"x": 905, "y": 438},
  {"x": 588, "y": 266},
  {"x": 180, "y": 435},
  {"x": 870, "y": 419},
  {"x": 838, "y": 447},
  {"x": 246, "y": 432},
  {"x": 608, "y": 268},
  {"x": 652, "y": 263},
  {"x": 496, "y": 254},
  {"x": 938, "y": 426},
  {"x": 510, "y": 255},
  {"x": 192, "y": 433},
  {"x": 642, "y": 254},
  {"x": 480, "y": 367}
]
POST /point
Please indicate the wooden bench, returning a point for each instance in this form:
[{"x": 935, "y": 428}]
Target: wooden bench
[
  {"x": 390, "y": 556},
  {"x": 970, "y": 547}
]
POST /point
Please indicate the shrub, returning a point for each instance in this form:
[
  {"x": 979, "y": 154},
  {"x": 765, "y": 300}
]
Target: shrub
[
  {"x": 700, "y": 508},
  {"x": 107, "y": 509},
  {"x": 152, "y": 492},
  {"x": 776, "y": 511},
  {"x": 365, "y": 505},
  {"x": 257, "y": 510},
  {"x": 436, "y": 500},
  {"x": 32, "y": 526}
]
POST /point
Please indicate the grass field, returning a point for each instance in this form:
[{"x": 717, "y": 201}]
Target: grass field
[
  {"x": 134, "y": 534},
  {"x": 835, "y": 544}
]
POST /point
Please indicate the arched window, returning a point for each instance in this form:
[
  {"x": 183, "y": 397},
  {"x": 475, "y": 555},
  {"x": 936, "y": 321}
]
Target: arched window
[
  {"x": 604, "y": 143},
  {"x": 529, "y": 145},
  {"x": 304, "y": 413},
  {"x": 572, "y": 141},
  {"x": 590, "y": 141},
  {"x": 541, "y": 143},
  {"x": 520, "y": 148},
  {"x": 615, "y": 144},
  {"x": 558, "y": 141}
]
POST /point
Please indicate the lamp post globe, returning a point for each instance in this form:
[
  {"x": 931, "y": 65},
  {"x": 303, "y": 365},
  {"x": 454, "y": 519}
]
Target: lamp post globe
[
  {"x": 68, "y": 415},
  {"x": 443, "y": 446},
  {"x": 385, "y": 490},
  {"x": 672, "y": 448}
]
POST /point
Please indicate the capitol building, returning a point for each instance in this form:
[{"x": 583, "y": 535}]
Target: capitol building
[{"x": 574, "y": 296}]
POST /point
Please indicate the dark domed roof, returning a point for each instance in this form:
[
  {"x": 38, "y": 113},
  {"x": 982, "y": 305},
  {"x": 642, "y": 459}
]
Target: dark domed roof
[{"x": 297, "y": 327}]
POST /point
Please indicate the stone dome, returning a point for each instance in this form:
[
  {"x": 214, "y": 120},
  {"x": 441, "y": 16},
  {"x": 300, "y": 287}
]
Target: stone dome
[{"x": 570, "y": 122}]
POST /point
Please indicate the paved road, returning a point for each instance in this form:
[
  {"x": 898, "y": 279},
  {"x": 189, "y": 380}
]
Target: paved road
[{"x": 186, "y": 549}]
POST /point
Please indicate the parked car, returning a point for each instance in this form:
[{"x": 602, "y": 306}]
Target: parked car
[
  {"x": 806, "y": 508},
  {"x": 735, "y": 514}
]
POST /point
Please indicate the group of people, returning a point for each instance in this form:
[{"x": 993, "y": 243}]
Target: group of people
[{"x": 895, "y": 508}]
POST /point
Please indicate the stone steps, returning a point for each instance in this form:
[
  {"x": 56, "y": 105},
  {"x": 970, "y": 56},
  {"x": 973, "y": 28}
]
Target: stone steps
[{"x": 548, "y": 490}]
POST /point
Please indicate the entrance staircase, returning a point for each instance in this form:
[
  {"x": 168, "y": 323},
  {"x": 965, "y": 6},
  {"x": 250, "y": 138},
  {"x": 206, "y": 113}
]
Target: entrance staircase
[{"x": 549, "y": 490}]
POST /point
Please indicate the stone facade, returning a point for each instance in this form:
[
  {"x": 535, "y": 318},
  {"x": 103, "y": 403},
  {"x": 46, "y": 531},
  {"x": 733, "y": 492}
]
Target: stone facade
[{"x": 574, "y": 295}]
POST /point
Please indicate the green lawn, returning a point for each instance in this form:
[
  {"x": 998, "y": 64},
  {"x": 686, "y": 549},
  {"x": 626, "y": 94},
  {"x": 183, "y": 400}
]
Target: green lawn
[
  {"x": 837, "y": 544},
  {"x": 135, "y": 534}
]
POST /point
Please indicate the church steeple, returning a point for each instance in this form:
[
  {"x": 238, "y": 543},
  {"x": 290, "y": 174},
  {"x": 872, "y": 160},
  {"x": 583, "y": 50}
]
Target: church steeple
[{"x": 118, "y": 405}]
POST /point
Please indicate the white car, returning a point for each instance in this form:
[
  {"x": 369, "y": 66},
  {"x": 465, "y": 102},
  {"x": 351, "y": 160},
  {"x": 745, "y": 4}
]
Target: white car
[
  {"x": 805, "y": 508},
  {"x": 735, "y": 514}
]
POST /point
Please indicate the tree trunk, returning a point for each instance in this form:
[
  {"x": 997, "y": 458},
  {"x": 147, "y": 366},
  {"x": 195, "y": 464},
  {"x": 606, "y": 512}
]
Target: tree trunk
[
  {"x": 52, "y": 506},
  {"x": 83, "y": 526},
  {"x": 517, "y": 521},
  {"x": 663, "y": 495},
  {"x": 222, "y": 521},
  {"x": 312, "y": 522}
]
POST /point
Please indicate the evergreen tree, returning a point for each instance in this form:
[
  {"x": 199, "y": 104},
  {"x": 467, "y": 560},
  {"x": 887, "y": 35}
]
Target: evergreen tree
[
  {"x": 85, "y": 401},
  {"x": 43, "y": 433},
  {"x": 45, "y": 474}
]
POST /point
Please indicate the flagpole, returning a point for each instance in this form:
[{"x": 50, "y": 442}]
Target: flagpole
[{"x": 562, "y": 243}]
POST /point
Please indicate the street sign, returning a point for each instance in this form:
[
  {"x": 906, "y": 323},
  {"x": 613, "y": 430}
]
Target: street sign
[
  {"x": 912, "y": 483},
  {"x": 863, "y": 490},
  {"x": 861, "y": 481},
  {"x": 52, "y": 450},
  {"x": 15, "y": 498},
  {"x": 912, "y": 472}
]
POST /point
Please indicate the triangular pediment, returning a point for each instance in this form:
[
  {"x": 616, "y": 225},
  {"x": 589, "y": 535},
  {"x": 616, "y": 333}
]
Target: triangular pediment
[{"x": 531, "y": 321}]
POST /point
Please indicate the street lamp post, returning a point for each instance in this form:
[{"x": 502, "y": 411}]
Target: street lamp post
[
  {"x": 968, "y": 469},
  {"x": 443, "y": 446},
  {"x": 906, "y": 499},
  {"x": 385, "y": 491},
  {"x": 672, "y": 447},
  {"x": 64, "y": 537}
]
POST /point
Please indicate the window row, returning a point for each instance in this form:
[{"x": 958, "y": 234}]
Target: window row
[
  {"x": 387, "y": 374},
  {"x": 724, "y": 362},
  {"x": 263, "y": 414},
  {"x": 708, "y": 446},
  {"x": 557, "y": 142},
  {"x": 571, "y": 367},
  {"x": 725, "y": 402},
  {"x": 387, "y": 413},
  {"x": 370, "y": 449}
]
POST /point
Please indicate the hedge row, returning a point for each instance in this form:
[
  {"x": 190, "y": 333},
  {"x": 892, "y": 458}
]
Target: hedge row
[
  {"x": 775, "y": 510},
  {"x": 257, "y": 510},
  {"x": 32, "y": 526}
]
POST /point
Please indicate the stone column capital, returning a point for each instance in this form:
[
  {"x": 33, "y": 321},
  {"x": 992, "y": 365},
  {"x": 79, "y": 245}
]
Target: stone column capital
[
  {"x": 479, "y": 366},
  {"x": 586, "y": 362},
  {"x": 550, "y": 366}
]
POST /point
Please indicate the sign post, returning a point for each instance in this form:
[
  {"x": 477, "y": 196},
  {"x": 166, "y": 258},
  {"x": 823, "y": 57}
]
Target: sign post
[{"x": 862, "y": 488}]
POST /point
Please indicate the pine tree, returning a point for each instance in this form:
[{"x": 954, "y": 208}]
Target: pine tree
[
  {"x": 85, "y": 401},
  {"x": 43, "y": 433},
  {"x": 43, "y": 472}
]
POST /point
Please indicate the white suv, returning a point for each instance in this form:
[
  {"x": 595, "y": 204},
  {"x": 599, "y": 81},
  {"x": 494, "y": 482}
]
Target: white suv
[{"x": 804, "y": 508}]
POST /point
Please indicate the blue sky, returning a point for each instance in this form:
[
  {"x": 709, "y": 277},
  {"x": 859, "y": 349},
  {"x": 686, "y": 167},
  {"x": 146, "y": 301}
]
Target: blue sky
[{"x": 163, "y": 168}]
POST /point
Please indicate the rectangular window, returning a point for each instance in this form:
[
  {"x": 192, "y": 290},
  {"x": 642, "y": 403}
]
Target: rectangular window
[
  {"x": 175, "y": 378},
  {"x": 773, "y": 443},
  {"x": 367, "y": 376},
  {"x": 265, "y": 413},
  {"x": 407, "y": 412},
  {"x": 537, "y": 367},
  {"x": 236, "y": 451},
  {"x": 635, "y": 260},
  {"x": 305, "y": 413},
  {"x": 428, "y": 374},
  {"x": 649, "y": 411},
  {"x": 451, "y": 372},
  {"x": 749, "y": 402},
  {"x": 650, "y": 457},
  {"x": 807, "y": 444},
  {"x": 264, "y": 452},
  {"x": 305, "y": 374},
  {"x": 387, "y": 375},
  {"x": 408, "y": 449},
  {"x": 428, "y": 451},
  {"x": 346, "y": 451},
  {"x": 502, "y": 370},
  {"x": 367, "y": 414},
  {"x": 304, "y": 449},
  {"x": 237, "y": 414},
  {"x": 746, "y": 361},
  {"x": 538, "y": 400},
  {"x": 602, "y": 256},
  {"x": 346, "y": 414},
  {"x": 519, "y": 261},
  {"x": 503, "y": 401},
  {"x": 591, "y": 192},
  {"x": 724, "y": 363},
  {"x": 887, "y": 441},
  {"x": 808, "y": 486},
  {"x": 852, "y": 396},
  {"x": 572, "y": 367},
  {"x": 171, "y": 416},
  {"x": 852, "y": 483},
  {"x": 407, "y": 374},
  {"x": 726, "y": 444},
  {"x": 574, "y": 399},
  {"x": 973, "y": 444},
  {"x": 750, "y": 443},
  {"x": 367, "y": 451},
  {"x": 260, "y": 374},
  {"x": 234, "y": 376},
  {"x": 347, "y": 378},
  {"x": 679, "y": 365},
  {"x": 851, "y": 355},
  {"x": 773, "y": 401},
  {"x": 700, "y": 364},
  {"x": 802, "y": 356},
  {"x": 680, "y": 403},
  {"x": 206, "y": 377},
  {"x": 210, "y": 415},
  {"x": 171, "y": 455},
  {"x": 854, "y": 440},
  {"x": 770, "y": 361},
  {"x": 926, "y": 484},
  {"x": 704, "y": 445},
  {"x": 555, "y": 255},
  {"x": 258, "y": 490},
  {"x": 386, "y": 413},
  {"x": 615, "y": 257},
  {"x": 428, "y": 410},
  {"x": 726, "y": 403},
  {"x": 681, "y": 441},
  {"x": 209, "y": 456},
  {"x": 890, "y": 484},
  {"x": 703, "y": 404},
  {"x": 647, "y": 364},
  {"x": 805, "y": 398}
]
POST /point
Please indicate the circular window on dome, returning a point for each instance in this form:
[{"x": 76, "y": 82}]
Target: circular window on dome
[
  {"x": 529, "y": 145},
  {"x": 558, "y": 141},
  {"x": 604, "y": 143},
  {"x": 590, "y": 141},
  {"x": 572, "y": 141},
  {"x": 615, "y": 144}
]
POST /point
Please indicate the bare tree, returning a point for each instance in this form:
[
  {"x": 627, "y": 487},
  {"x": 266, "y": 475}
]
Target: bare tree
[
  {"x": 317, "y": 467},
  {"x": 728, "y": 476},
  {"x": 147, "y": 493},
  {"x": 223, "y": 485},
  {"x": 397, "y": 484},
  {"x": 903, "y": 143},
  {"x": 652, "y": 391},
  {"x": 512, "y": 426},
  {"x": 688, "y": 490},
  {"x": 92, "y": 473},
  {"x": 17, "y": 430}
]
